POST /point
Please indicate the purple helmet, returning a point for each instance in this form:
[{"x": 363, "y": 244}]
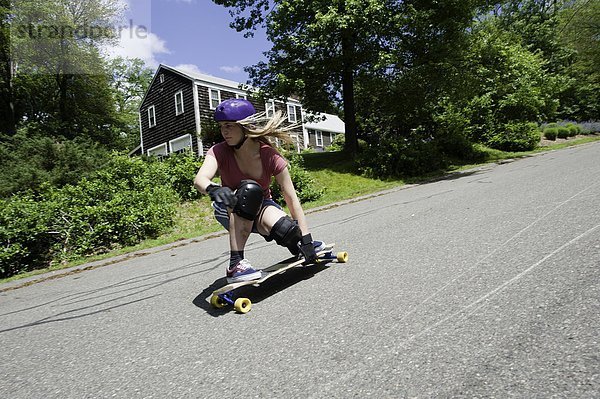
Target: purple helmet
[{"x": 234, "y": 110}]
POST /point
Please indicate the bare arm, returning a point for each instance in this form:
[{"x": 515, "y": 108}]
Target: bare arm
[
  {"x": 291, "y": 199},
  {"x": 207, "y": 171}
]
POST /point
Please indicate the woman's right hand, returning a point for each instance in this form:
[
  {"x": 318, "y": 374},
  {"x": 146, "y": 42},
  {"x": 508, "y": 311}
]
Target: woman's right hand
[{"x": 222, "y": 194}]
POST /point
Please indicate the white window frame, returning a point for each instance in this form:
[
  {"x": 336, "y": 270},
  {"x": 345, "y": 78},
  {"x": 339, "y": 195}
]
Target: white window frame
[
  {"x": 161, "y": 78},
  {"x": 296, "y": 139},
  {"x": 179, "y": 95},
  {"x": 243, "y": 96},
  {"x": 319, "y": 138},
  {"x": 151, "y": 116},
  {"x": 293, "y": 119},
  {"x": 151, "y": 150},
  {"x": 270, "y": 108},
  {"x": 211, "y": 99},
  {"x": 187, "y": 137}
]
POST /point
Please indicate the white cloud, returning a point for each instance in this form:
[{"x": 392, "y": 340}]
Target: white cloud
[
  {"x": 191, "y": 68},
  {"x": 137, "y": 42},
  {"x": 231, "y": 69}
]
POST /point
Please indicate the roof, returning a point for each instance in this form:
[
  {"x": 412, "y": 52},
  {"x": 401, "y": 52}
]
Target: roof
[
  {"x": 203, "y": 78},
  {"x": 325, "y": 123}
]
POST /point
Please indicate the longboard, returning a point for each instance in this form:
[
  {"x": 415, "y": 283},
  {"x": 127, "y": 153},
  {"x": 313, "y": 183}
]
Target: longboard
[{"x": 224, "y": 296}]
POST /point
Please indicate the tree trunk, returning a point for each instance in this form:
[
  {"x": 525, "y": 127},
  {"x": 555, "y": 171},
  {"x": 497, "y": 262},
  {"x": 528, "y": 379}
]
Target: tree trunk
[
  {"x": 8, "y": 124},
  {"x": 351, "y": 144},
  {"x": 7, "y": 101}
]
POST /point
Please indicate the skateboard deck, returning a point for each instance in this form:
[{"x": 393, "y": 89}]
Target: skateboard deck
[{"x": 224, "y": 295}]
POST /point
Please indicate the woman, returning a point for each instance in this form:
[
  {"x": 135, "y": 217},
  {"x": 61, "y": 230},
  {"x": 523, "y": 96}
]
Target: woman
[{"x": 246, "y": 161}]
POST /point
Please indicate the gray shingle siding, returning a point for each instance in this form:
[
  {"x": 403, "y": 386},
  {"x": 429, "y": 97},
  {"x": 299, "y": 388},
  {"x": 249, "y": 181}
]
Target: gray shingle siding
[{"x": 169, "y": 126}]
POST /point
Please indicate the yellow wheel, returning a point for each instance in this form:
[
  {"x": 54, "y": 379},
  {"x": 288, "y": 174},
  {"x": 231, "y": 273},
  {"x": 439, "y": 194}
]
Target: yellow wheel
[
  {"x": 242, "y": 305},
  {"x": 217, "y": 302},
  {"x": 342, "y": 257}
]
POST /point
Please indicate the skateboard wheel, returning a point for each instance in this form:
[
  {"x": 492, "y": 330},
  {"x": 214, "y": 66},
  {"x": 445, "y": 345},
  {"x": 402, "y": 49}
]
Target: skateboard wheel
[
  {"x": 217, "y": 302},
  {"x": 242, "y": 305},
  {"x": 342, "y": 257}
]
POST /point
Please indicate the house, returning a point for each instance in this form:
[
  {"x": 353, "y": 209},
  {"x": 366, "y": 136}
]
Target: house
[
  {"x": 176, "y": 113},
  {"x": 321, "y": 129}
]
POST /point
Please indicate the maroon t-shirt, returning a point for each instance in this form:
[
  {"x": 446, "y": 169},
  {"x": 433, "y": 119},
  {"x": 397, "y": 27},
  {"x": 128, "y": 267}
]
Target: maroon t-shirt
[{"x": 231, "y": 175}]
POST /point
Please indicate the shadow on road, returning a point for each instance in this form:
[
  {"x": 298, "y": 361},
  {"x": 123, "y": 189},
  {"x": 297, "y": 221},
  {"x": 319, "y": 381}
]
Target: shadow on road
[{"x": 257, "y": 294}]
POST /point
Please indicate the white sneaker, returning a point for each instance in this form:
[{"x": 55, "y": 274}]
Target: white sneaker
[{"x": 243, "y": 271}]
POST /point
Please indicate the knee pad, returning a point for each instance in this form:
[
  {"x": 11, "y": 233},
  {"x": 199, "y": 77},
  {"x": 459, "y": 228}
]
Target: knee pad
[
  {"x": 249, "y": 197},
  {"x": 286, "y": 233}
]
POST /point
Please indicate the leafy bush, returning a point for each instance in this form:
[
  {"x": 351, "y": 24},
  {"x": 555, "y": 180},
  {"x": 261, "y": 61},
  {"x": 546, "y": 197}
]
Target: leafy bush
[
  {"x": 516, "y": 136},
  {"x": 573, "y": 129},
  {"x": 303, "y": 182},
  {"x": 181, "y": 170},
  {"x": 563, "y": 132},
  {"x": 590, "y": 127},
  {"x": 30, "y": 160},
  {"x": 126, "y": 201},
  {"x": 25, "y": 233},
  {"x": 392, "y": 157},
  {"x": 338, "y": 143},
  {"x": 550, "y": 133}
]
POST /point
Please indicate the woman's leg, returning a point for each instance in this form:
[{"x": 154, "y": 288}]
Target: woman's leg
[
  {"x": 239, "y": 231},
  {"x": 267, "y": 219}
]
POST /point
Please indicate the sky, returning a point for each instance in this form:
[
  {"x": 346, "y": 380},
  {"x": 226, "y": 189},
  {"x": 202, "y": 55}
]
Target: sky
[{"x": 189, "y": 34}]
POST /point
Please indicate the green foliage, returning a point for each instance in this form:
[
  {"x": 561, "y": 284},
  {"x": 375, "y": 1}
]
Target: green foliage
[
  {"x": 337, "y": 144},
  {"x": 563, "y": 132},
  {"x": 573, "y": 129},
  {"x": 129, "y": 80},
  {"x": 516, "y": 137},
  {"x": 396, "y": 157},
  {"x": 511, "y": 82},
  {"x": 181, "y": 169},
  {"x": 127, "y": 200},
  {"x": 551, "y": 133},
  {"x": 25, "y": 233},
  {"x": 305, "y": 185},
  {"x": 31, "y": 158}
]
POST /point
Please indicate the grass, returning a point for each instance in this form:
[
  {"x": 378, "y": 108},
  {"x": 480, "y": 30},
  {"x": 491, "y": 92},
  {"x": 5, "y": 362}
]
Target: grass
[{"x": 333, "y": 171}]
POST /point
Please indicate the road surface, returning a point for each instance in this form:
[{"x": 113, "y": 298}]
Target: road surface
[{"x": 483, "y": 284}]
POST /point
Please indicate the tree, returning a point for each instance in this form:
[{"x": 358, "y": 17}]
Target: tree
[
  {"x": 579, "y": 29},
  {"x": 7, "y": 107},
  {"x": 55, "y": 49},
  {"x": 319, "y": 47},
  {"x": 129, "y": 79}
]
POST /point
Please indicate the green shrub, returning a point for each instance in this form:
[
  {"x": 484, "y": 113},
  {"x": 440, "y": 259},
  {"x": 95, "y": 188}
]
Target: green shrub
[
  {"x": 573, "y": 131},
  {"x": 550, "y": 133},
  {"x": 181, "y": 170},
  {"x": 123, "y": 203},
  {"x": 338, "y": 143},
  {"x": 516, "y": 136},
  {"x": 94, "y": 218},
  {"x": 305, "y": 185},
  {"x": 25, "y": 233},
  {"x": 392, "y": 157},
  {"x": 563, "y": 132},
  {"x": 29, "y": 160}
]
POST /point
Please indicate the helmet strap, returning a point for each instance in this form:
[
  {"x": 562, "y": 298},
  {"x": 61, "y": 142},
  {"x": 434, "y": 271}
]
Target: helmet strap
[{"x": 241, "y": 143}]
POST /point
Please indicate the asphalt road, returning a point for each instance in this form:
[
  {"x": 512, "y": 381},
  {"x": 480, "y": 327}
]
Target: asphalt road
[{"x": 484, "y": 284}]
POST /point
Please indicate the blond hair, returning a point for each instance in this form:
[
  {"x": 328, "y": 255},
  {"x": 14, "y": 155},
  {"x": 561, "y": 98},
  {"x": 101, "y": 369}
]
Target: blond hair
[{"x": 260, "y": 126}]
